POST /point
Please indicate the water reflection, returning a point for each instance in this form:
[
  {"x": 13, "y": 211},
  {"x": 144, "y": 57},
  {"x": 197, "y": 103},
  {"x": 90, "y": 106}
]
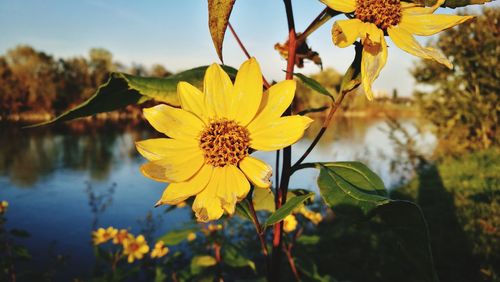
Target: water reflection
[{"x": 62, "y": 182}]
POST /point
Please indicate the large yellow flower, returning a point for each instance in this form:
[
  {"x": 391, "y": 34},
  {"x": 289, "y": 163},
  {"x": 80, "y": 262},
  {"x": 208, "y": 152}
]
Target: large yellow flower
[
  {"x": 400, "y": 20},
  {"x": 212, "y": 136}
]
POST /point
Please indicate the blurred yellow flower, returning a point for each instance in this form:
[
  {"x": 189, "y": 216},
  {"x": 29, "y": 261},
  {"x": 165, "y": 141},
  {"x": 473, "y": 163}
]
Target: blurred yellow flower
[
  {"x": 135, "y": 248},
  {"x": 103, "y": 235},
  {"x": 400, "y": 20},
  {"x": 314, "y": 217},
  {"x": 289, "y": 223},
  {"x": 3, "y": 207},
  {"x": 191, "y": 236},
  {"x": 211, "y": 137},
  {"x": 121, "y": 236},
  {"x": 214, "y": 227},
  {"x": 159, "y": 250}
]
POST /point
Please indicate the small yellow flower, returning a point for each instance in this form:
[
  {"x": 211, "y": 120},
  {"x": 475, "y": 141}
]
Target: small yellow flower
[
  {"x": 289, "y": 223},
  {"x": 159, "y": 250},
  {"x": 314, "y": 217},
  {"x": 400, "y": 20},
  {"x": 212, "y": 136},
  {"x": 214, "y": 227},
  {"x": 135, "y": 248},
  {"x": 191, "y": 236},
  {"x": 3, "y": 207},
  {"x": 121, "y": 236},
  {"x": 103, "y": 235}
]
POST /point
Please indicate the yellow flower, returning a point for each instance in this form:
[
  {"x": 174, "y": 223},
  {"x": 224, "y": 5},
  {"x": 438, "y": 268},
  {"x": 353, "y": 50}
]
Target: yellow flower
[
  {"x": 121, "y": 236},
  {"x": 135, "y": 248},
  {"x": 314, "y": 217},
  {"x": 191, "y": 236},
  {"x": 211, "y": 137},
  {"x": 159, "y": 250},
  {"x": 103, "y": 235},
  {"x": 400, "y": 20},
  {"x": 289, "y": 223},
  {"x": 3, "y": 207},
  {"x": 214, "y": 227}
]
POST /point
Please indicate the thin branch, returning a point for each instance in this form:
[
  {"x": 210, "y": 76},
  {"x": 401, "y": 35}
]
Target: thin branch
[
  {"x": 266, "y": 84},
  {"x": 326, "y": 123},
  {"x": 258, "y": 227}
]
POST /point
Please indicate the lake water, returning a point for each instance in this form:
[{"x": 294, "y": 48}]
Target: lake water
[{"x": 62, "y": 183}]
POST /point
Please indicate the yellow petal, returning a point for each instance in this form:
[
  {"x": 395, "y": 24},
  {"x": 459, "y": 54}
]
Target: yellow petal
[
  {"x": 232, "y": 186},
  {"x": 345, "y": 32},
  {"x": 176, "y": 193},
  {"x": 175, "y": 123},
  {"x": 207, "y": 206},
  {"x": 247, "y": 92},
  {"x": 218, "y": 88},
  {"x": 373, "y": 58},
  {"x": 160, "y": 148},
  {"x": 430, "y": 24},
  {"x": 404, "y": 40},
  {"x": 177, "y": 167},
  {"x": 344, "y": 6},
  {"x": 257, "y": 171},
  {"x": 419, "y": 10},
  {"x": 279, "y": 133},
  {"x": 275, "y": 101},
  {"x": 192, "y": 100}
]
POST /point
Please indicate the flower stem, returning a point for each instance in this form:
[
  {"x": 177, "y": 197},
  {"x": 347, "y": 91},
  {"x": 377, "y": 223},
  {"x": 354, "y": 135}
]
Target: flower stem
[
  {"x": 321, "y": 19},
  {"x": 280, "y": 198},
  {"x": 244, "y": 49}
]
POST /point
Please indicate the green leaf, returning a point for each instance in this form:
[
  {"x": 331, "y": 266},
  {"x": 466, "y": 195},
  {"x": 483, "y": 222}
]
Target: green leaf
[
  {"x": 350, "y": 185},
  {"x": 200, "y": 262},
  {"x": 352, "y": 77},
  {"x": 462, "y": 3},
  {"x": 287, "y": 208},
  {"x": 175, "y": 237},
  {"x": 232, "y": 257},
  {"x": 123, "y": 89},
  {"x": 160, "y": 276},
  {"x": 308, "y": 239},
  {"x": 21, "y": 252},
  {"x": 218, "y": 19},
  {"x": 314, "y": 85},
  {"x": 407, "y": 221}
]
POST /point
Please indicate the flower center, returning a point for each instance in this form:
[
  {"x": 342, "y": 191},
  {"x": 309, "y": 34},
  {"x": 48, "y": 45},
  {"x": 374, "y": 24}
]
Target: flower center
[
  {"x": 382, "y": 13},
  {"x": 133, "y": 247},
  {"x": 224, "y": 142}
]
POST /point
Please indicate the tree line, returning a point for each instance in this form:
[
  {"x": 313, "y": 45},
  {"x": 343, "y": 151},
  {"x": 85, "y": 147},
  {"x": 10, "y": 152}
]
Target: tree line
[{"x": 34, "y": 81}]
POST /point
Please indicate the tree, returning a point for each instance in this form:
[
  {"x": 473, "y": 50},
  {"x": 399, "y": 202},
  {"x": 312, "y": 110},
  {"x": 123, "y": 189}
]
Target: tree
[{"x": 463, "y": 102}]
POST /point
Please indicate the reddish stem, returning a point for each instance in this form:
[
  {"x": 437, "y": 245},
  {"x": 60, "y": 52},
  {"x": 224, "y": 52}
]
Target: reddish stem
[
  {"x": 280, "y": 198},
  {"x": 244, "y": 49}
]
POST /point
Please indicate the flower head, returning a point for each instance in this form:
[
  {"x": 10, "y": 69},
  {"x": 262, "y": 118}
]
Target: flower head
[
  {"x": 3, "y": 207},
  {"x": 212, "y": 136},
  {"x": 159, "y": 250},
  {"x": 289, "y": 223},
  {"x": 135, "y": 248},
  {"x": 191, "y": 236},
  {"x": 121, "y": 236},
  {"x": 400, "y": 20},
  {"x": 103, "y": 235}
]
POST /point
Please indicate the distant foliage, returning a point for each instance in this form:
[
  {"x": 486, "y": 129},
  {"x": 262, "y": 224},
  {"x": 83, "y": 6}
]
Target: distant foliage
[
  {"x": 31, "y": 80},
  {"x": 463, "y": 102}
]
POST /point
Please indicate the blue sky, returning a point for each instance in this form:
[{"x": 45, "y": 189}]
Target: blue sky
[{"x": 175, "y": 34}]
